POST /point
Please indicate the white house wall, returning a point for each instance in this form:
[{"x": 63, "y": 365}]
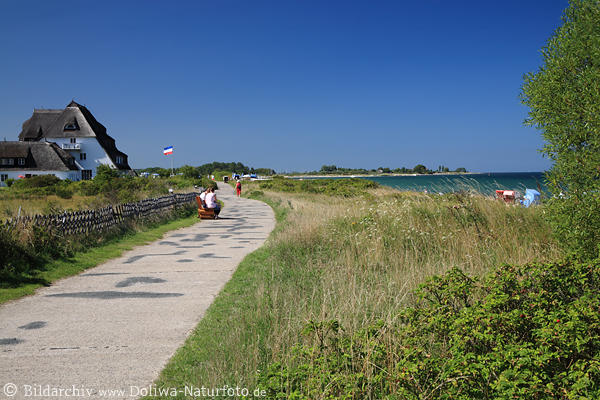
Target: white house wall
[
  {"x": 95, "y": 154},
  {"x": 13, "y": 174}
]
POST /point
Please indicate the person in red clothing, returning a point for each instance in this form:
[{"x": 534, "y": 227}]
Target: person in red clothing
[{"x": 238, "y": 188}]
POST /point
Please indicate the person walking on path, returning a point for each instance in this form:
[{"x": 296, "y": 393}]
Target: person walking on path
[{"x": 238, "y": 188}]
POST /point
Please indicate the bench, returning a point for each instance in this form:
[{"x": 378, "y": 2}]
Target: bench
[{"x": 204, "y": 213}]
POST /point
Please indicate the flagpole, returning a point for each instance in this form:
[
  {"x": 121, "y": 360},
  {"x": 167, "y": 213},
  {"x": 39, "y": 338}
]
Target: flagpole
[{"x": 172, "y": 165}]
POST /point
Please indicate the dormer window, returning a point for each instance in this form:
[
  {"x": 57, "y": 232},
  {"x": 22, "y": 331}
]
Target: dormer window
[
  {"x": 71, "y": 126},
  {"x": 119, "y": 160},
  {"x": 21, "y": 161}
]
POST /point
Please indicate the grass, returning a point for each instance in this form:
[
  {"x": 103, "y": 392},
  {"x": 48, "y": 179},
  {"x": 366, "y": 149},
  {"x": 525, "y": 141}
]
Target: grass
[
  {"x": 356, "y": 260},
  {"x": 46, "y": 194},
  {"x": 349, "y": 187},
  {"x": 46, "y": 204},
  {"x": 62, "y": 268}
]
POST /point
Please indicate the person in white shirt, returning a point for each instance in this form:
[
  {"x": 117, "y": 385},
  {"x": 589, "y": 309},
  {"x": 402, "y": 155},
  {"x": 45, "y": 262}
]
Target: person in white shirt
[
  {"x": 211, "y": 202},
  {"x": 203, "y": 197}
]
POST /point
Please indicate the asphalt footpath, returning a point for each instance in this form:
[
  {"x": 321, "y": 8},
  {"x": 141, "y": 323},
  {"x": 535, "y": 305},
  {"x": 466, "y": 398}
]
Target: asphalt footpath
[{"x": 109, "y": 331}]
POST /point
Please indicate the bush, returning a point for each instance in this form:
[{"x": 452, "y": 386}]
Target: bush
[
  {"x": 256, "y": 194},
  {"x": 86, "y": 188},
  {"x": 208, "y": 183},
  {"x": 63, "y": 191},
  {"x": 37, "y": 181},
  {"x": 564, "y": 101},
  {"x": 522, "y": 332},
  {"x": 16, "y": 258}
]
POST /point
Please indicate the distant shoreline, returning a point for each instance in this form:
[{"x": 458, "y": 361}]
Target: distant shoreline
[{"x": 381, "y": 175}]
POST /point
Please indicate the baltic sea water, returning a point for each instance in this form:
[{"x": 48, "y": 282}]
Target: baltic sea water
[{"x": 485, "y": 183}]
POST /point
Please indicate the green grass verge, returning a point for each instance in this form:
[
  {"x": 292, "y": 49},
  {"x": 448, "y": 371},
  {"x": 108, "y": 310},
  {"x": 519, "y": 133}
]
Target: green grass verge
[{"x": 58, "y": 269}]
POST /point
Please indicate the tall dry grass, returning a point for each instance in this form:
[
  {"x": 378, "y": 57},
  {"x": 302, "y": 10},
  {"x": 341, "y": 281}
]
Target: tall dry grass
[
  {"x": 11, "y": 206},
  {"x": 356, "y": 260},
  {"x": 368, "y": 255}
]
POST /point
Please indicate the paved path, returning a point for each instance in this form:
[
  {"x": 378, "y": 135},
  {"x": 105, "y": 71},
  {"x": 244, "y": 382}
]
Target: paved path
[{"x": 116, "y": 326}]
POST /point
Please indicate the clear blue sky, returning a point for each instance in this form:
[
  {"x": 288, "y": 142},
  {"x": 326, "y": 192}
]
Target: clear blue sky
[{"x": 290, "y": 85}]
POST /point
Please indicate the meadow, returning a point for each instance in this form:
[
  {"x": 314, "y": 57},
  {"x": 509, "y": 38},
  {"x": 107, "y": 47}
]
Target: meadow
[
  {"x": 46, "y": 194},
  {"x": 344, "y": 260}
]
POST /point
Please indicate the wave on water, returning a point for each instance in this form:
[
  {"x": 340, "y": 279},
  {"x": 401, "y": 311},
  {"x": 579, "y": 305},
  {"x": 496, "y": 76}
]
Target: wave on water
[{"x": 486, "y": 183}]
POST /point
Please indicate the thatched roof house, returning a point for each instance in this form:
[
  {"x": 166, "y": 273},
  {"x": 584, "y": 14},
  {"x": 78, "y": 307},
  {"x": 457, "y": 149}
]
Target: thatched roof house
[{"x": 75, "y": 130}]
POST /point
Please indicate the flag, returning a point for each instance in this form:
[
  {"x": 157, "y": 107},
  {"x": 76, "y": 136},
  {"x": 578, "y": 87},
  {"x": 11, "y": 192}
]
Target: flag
[{"x": 168, "y": 150}]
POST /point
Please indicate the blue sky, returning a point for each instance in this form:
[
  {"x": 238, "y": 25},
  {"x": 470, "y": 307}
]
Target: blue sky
[{"x": 290, "y": 85}]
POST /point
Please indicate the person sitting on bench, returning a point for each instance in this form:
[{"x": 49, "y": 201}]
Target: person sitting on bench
[
  {"x": 203, "y": 197},
  {"x": 211, "y": 202}
]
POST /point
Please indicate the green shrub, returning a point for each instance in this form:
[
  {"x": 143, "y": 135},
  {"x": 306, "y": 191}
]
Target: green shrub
[
  {"x": 256, "y": 194},
  {"x": 37, "y": 181},
  {"x": 207, "y": 183},
  {"x": 86, "y": 188},
  {"x": 564, "y": 101},
  {"x": 522, "y": 332},
  {"x": 16, "y": 257},
  {"x": 63, "y": 191}
]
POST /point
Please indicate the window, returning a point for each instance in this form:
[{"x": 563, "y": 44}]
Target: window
[
  {"x": 119, "y": 160},
  {"x": 7, "y": 161},
  {"x": 21, "y": 161},
  {"x": 82, "y": 156},
  {"x": 86, "y": 174},
  {"x": 3, "y": 177},
  {"x": 73, "y": 140},
  {"x": 71, "y": 126}
]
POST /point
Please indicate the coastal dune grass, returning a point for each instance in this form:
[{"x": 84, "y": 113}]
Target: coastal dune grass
[{"x": 354, "y": 260}]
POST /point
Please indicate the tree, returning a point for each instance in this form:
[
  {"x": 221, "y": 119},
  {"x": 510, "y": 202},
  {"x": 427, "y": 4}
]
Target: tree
[
  {"x": 105, "y": 173},
  {"x": 265, "y": 171},
  {"x": 328, "y": 168},
  {"x": 420, "y": 169},
  {"x": 564, "y": 101},
  {"x": 188, "y": 171}
]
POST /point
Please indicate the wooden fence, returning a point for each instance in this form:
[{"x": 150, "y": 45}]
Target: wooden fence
[{"x": 88, "y": 221}]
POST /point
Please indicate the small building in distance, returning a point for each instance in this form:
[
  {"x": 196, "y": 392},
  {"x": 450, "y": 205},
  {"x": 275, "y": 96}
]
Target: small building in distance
[
  {"x": 25, "y": 159},
  {"x": 76, "y": 131}
]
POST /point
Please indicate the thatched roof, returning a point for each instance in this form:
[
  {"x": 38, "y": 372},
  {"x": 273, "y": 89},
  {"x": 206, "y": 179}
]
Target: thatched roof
[
  {"x": 51, "y": 124},
  {"x": 35, "y": 127},
  {"x": 40, "y": 156}
]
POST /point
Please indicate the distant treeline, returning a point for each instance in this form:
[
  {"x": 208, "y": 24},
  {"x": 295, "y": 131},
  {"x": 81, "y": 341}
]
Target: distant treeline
[
  {"x": 418, "y": 169},
  {"x": 208, "y": 169}
]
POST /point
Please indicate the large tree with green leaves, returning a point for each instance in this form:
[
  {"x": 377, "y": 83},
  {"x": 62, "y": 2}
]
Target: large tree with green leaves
[{"x": 564, "y": 101}]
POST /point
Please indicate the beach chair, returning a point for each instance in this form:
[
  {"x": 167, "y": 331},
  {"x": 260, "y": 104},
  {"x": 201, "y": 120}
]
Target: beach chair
[{"x": 204, "y": 213}]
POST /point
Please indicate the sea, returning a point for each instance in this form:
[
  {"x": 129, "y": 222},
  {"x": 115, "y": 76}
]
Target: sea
[{"x": 484, "y": 183}]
